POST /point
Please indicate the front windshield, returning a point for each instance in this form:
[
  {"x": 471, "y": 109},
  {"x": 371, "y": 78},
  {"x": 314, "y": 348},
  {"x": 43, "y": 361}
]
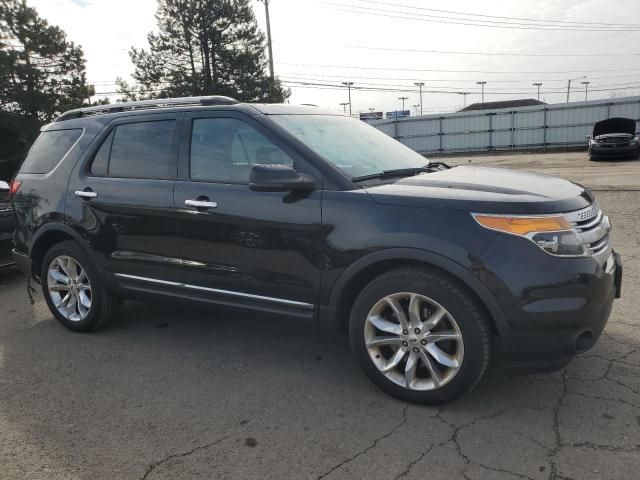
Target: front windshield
[{"x": 355, "y": 147}]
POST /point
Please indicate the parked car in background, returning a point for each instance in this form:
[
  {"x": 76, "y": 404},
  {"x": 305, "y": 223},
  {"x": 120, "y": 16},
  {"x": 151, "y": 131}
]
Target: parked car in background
[
  {"x": 432, "y": 271},
  {"x": 614, "y": 138},
  {"x": 7, "y": 224},
  {"x": 17, "y": 133}
]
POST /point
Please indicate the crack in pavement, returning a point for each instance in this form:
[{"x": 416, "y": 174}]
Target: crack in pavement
[
  {"x": 615, "y": 340},
  {"x": 553, "y": 470},
  {"x": 370, "y": 447},
  {"x": 155, "y": 465},
  {"x": 597, "y": 397},
  {"x": 607, "y": 372},
  {"x": 597, "y": 446},
  {"x": 614, "y": 360},
  {"x": 419, "y": 458},
  {"x": 468, "y": 462}
]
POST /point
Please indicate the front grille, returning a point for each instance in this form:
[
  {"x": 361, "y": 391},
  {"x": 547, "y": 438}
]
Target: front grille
[
  {"x": 614, "y": 140},
  {"x": 586, "y": 214},
  {"x": 594, "y": 227}
]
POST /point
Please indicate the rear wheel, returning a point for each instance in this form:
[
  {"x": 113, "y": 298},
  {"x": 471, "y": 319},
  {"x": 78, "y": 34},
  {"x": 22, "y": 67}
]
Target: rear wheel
[
  {"x": 420, "y": 336},
  {"x": 74, "y": 290}
]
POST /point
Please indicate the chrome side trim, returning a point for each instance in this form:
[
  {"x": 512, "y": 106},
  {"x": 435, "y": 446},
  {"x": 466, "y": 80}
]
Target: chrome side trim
[
  {"x": 150, "y": 280},
  {"x": 215, "y": 290}
]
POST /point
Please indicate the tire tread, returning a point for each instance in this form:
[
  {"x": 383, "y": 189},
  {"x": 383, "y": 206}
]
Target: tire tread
[{"x": 445, "y": 281}]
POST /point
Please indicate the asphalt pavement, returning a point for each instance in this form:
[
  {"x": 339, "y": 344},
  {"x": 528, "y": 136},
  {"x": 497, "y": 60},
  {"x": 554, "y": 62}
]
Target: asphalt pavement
[{"x": 183, "y": 393}]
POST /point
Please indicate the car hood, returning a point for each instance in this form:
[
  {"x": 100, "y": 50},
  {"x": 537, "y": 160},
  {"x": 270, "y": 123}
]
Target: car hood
[
  {"x": 614, "y": 125},
  {"x": 483, "y": 189}
]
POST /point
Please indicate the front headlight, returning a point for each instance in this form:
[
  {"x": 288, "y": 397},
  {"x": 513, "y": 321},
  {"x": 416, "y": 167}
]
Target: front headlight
[{"x": 554, "y": 233}]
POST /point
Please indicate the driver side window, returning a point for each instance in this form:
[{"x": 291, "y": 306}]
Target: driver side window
[{"x": 224, "y": 150}]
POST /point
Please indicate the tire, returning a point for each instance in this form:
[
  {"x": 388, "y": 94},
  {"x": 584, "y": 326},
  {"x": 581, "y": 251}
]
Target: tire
[
  {"x": 468, "y": 353},
  {"x": 103, "y": 306}
]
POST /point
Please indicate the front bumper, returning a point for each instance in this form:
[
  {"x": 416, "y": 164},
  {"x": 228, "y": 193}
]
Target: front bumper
[
  {"x": 555, "y": 308},
  {"x": 613, "y": 151}
]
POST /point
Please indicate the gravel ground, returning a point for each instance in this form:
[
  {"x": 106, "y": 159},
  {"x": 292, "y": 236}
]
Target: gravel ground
[{"x": 176, "y": 393}]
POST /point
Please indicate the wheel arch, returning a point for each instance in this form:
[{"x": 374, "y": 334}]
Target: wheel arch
[
  {"x": 45, "y": 238},
  {"x": 360, "y": 273}
]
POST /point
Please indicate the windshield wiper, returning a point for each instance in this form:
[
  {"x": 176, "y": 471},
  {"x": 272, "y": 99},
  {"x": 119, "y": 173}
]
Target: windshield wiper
[{"x": 402, "y": 172}]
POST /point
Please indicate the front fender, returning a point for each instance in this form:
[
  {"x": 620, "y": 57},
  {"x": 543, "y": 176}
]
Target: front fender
[{"x": 422, "y": 256}]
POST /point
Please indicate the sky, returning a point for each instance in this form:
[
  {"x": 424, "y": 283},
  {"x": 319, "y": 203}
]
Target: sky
[{"x": 385, "y": 46}]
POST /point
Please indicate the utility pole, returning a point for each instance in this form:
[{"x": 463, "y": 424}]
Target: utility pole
[
  {"x": 348, "y": 85},
  {"x": 538, "y": 84},
  {"x": 403, "y": 99},
  {"x": 271, "y": 72},
  {"x": 569, "y": 85},
  {"x": 420, "y": 85},
  {"x": 344, "y": 107},
  {"x": 418, "y": 111},
  {"x": 586, "y": 89},
  {"x": 482, "y": 84},
  {"x": 464, "y": 96}
]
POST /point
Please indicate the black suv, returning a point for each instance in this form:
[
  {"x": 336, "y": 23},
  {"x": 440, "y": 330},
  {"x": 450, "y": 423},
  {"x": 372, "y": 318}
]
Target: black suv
[{"x": 432, "y": 271}]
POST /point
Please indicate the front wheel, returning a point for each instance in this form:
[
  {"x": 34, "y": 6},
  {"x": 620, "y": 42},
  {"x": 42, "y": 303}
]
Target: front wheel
[
  {"x": 74, "y": 290},
  {"x": 420, "y": 335}
]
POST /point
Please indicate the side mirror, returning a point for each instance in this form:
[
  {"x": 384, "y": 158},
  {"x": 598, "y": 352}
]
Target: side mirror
[{"x": 278, "y": 177}]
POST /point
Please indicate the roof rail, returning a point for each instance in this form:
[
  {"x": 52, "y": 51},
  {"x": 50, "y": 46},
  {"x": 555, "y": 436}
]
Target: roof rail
[{"x": 146, "y": 104}]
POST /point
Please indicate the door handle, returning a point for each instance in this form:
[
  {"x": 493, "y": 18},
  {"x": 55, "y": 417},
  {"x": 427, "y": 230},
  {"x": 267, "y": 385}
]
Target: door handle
[
  {"x": 85, "y": 194},
  {"x": 200, "y": 204}
]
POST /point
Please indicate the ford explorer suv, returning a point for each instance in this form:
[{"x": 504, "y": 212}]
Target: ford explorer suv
[{"x": 433, "y": 272}]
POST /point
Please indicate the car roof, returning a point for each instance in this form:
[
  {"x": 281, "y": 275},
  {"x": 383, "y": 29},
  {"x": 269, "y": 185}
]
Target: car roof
[
  {"x": 286, "y": 109},
  {"x": 105, "y": 113}
]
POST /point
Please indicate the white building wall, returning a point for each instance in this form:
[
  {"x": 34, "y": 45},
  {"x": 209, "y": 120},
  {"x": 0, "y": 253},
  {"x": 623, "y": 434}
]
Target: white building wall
[{"x": 523, "y": 128}]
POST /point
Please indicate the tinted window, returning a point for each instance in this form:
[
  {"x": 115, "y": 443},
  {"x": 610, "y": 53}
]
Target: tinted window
[
  {"x": 49, "y": 149},
  {"x": 225, "y": 149},
  {"x": 142, "y": 150},
  {"x": 100, "y": 165}
]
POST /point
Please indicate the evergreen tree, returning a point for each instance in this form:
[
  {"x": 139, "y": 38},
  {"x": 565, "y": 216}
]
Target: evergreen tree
[
  {"x": 204, "y": 47},
  {"x": 41, "y": 73}
]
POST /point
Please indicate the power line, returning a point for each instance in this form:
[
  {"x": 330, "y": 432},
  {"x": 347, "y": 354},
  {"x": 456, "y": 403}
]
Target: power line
[
  {"x": 494, "y": 54},
  {"x": 453, "y": 12},
  {"x": 402, "y": 69},
  {"x": 314, "y": 77},
  {"x": 433, "y": 80},
  {"x": 318, "y": 79},
  {"x": 455, "y": 21},
  {"x": 413, "y": 90}
]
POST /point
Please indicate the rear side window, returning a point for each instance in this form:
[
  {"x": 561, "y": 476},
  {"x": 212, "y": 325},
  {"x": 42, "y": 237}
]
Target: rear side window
[
  {"x": 100, "y": 165},
  {"x": 137, "y": 150},
  {"x": 47, "y": 151}
]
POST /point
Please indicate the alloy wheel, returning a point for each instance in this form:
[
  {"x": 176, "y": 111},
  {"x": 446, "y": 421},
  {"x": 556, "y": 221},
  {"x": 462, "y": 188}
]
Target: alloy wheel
[
  {"x": 69, "y": 288},
  {"x": 414, "y": 341}
]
